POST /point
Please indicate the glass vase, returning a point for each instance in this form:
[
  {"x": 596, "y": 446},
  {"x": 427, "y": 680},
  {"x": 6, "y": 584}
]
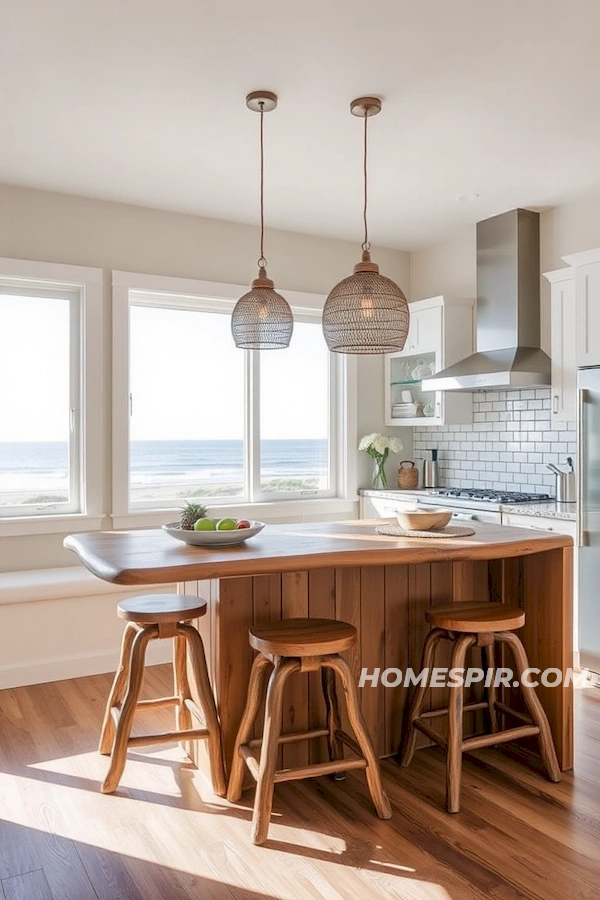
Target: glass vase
[{"x": 378, "y": 477}]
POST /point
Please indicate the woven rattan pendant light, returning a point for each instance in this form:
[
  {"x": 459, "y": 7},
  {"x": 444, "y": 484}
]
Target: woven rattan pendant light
[
  {"x": 367, "y": 312},
  {"x": 262, "y": 318}
]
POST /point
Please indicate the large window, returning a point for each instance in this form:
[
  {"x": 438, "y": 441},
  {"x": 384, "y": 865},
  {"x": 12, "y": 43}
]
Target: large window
[
  {"x": 186, "y": 407},
  {"x": 210, "y": 422},
  {"x": 42, "y": 390},
  {"x": 295, "y": 415}
]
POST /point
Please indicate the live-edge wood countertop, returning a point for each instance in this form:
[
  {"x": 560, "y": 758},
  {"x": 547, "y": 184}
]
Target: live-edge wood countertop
[{"x": 150, "y": 556}]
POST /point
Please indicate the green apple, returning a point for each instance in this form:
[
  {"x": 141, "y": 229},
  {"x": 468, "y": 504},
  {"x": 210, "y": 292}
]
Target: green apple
[
  {"x": 226, "y": 525},
  {"x": 205, "y": 525}
]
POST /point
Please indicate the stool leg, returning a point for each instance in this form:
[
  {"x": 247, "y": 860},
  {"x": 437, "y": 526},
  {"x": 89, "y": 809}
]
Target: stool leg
[
  {"x": 357, "y": 723},
  {"x": 455, "y": 727},
  {"x": 183, "y": 717},
  {"x": 256, "y": 687},
  {"x": 263, "y": 800},
  {"x": 490, "y": 661},
  {"x": 410, "y": 740},
  {"x": 134, "y": 686},
  {"x": 534, "y": 707},
  {"x": 207, "y": 702},
  {"x": 107, "y": 735},
  {"x": 334, "y": 745}
]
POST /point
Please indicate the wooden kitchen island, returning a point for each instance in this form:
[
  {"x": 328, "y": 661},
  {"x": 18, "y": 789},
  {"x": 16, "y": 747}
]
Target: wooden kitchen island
[{"x": 383, "y": 585}]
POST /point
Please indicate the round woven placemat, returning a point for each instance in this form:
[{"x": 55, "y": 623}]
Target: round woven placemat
[{"x": 449, "y": 531}]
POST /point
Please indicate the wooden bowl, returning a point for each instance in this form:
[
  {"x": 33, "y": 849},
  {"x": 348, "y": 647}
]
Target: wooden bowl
[{"x": 424, "y": 519}]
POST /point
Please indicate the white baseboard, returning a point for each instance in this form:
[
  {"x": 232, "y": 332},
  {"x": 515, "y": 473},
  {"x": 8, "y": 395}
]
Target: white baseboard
[{"x": 59, "y": 669}]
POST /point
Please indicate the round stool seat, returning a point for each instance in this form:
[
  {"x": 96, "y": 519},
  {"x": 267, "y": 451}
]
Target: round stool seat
[
  {"x": 476, "y": 618},
  {"x": 303, "y": 637},
  {"x": 155, "y": 609}
]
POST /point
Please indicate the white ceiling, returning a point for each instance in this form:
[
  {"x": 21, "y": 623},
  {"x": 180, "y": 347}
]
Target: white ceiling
[{"x": 142, "y": 101}]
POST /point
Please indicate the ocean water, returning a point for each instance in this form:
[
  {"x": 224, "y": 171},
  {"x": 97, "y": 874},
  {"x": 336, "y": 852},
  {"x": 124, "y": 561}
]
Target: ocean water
[{"x": 44, "y": 466}]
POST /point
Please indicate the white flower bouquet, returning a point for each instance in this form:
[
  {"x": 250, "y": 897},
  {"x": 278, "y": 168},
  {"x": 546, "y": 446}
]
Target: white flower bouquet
[{"x": 379, "y": 447}]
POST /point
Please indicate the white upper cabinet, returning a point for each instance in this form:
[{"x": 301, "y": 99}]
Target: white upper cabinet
[
  {"x": 563, "y": 339},
  {"x": 440, "y": 333},
  {"x": 425, "y": 329},
  {"x": 587, "y": 300}
]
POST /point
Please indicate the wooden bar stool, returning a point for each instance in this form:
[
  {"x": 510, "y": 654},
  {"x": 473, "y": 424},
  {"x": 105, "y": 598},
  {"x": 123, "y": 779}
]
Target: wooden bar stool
[
  {"x": 467, "y": 625},
  {"x": 300, "y": 645},
  {"x": 150, "y": 618}
]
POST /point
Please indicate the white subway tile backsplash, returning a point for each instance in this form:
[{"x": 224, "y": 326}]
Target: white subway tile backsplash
[{"x": 508, "y": 445}]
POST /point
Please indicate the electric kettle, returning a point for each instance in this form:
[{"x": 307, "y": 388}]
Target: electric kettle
[{"x": 430, "y": 470}]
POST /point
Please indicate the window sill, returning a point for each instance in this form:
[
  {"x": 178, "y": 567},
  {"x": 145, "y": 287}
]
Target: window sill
[
  {"x": 276, "y": 512},
  {"x": 15, "y": 526}
]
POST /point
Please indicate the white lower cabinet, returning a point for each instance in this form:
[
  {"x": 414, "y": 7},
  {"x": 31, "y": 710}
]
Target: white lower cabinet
[
  {"x": 382, "y": 507},
  {"x": 541, "y": 523},
  {"x": 560, "y": 526}
]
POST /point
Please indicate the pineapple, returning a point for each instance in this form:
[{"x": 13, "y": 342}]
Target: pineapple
[{"x": 190, "y": 514}]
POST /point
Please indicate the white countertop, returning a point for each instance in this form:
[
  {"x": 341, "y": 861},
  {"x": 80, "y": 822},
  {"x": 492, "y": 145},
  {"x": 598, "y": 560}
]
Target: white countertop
[{"x": 545, "y": 509}]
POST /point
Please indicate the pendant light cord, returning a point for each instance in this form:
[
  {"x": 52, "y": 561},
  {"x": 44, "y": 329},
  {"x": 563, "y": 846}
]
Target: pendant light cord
[
  {"x": 366, "y": 245},
  {"x": 262, "y": 262}
]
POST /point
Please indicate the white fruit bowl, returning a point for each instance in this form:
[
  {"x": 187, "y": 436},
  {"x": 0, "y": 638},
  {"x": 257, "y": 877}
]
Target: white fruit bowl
[{"x": 213, "y": 538}]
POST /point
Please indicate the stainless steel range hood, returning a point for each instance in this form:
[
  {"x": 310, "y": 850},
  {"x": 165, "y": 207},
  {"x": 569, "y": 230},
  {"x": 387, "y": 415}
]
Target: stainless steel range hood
[{"x": 508, "y": 311}]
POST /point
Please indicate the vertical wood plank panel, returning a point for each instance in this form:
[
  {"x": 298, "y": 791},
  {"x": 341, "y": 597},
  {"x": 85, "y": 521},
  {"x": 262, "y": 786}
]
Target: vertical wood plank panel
[
  {"x": 462, "y": 581},
  {"x": 512, "y": 592},
  {"x": 266, "y": 598},
  {"x": 321, "y": 605},
  {"x": 372, "y": 630},
  {"x": 266, "y": 606},
  {"x": 481, "y": 581},
  {"x": 347, "y": 609},
  {"x": 441, "y": 594},
  {"x": 547, "y": 635},
  {"x": 419, "y": 599},
  {"x": 294, "y": 604},
  {"x": 235, "y": 656},
  {"x": 207, "y": 629},
  {"x": 396, "y": 652}
]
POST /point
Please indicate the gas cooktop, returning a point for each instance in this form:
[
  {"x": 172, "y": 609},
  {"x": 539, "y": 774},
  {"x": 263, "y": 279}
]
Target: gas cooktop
[{"x": 490, "y": 496}]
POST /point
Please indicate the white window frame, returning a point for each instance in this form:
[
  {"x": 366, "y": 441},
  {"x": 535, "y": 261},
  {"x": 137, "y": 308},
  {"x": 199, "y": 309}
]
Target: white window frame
[
  {"x": 84, "y": 287},
  {"x": 340, "y": 500}
]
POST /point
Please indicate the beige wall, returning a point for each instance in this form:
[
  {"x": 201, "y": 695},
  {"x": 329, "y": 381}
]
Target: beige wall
[
  {"x": 445, "y": 268},
  {"x": 39, "y": 225}
]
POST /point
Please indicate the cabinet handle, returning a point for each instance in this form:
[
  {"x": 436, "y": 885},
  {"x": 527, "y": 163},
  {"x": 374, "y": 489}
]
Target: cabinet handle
[
  {"x": 555, "y": 404},
  {"x": 581, "y": 538}
]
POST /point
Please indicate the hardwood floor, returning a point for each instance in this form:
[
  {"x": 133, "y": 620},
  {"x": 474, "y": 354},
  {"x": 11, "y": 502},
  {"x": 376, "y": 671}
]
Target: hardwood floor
[{"x": 165, "y": 836}]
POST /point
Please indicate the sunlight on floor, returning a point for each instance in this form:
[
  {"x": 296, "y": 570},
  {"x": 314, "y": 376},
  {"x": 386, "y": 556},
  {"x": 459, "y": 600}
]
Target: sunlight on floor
[{"x": 212, "y": 836}]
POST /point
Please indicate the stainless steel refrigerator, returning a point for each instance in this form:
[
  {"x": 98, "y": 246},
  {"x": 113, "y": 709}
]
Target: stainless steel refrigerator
[{"x": 588, "y": 448}]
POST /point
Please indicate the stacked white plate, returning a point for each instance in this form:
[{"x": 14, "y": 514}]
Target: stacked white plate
[{"x": 404, "y": 410}]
